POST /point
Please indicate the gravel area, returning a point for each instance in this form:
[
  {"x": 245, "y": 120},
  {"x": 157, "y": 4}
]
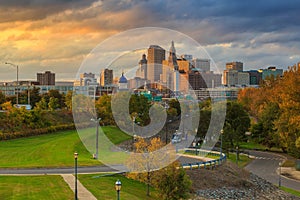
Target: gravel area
[
  {"x": 229, "y": 182},
  {"x": 260, "y": 189}
]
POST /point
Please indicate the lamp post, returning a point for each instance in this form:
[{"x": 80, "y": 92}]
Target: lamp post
[
  {"x": 184, "y": 118},
  {"x": 169, "y": 121},
  {"x": 279, "y": 181},
  {"x": 118, "y": 186},
  {"x": 75, "y": 158},
  {"x": 97, "y": 136},
  {"x": 237, "y": 155},
  {"x": 167, "y": 107},
  {"x": 133, "y": 132},
  {"x": 221, "y": 149},
  {"x": 7, "y": 63},
  {"x": 196, "y": 131}
]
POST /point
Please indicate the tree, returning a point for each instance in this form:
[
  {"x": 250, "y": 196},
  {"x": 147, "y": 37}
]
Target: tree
[
  {"x": 2, "y": 98},
  {"x": 149, "y": 157},
  {"x": 298, "y": 143},
  {"x": 175, "y": 104},
  {"x": 140, "y": 105},
  {"x": 172, "y": 182},
  {"x": 34, "y": 96},
  {"x": 68, "y": 99},
  {"x": 204, "y": 122},
  {"x": 6, "y": 105},
  {"x": 53, "y": 103},
  {"x": 42, "y": 104},
  {"x": 103, "y": 109},
  {"x": 237, "y": 122}
]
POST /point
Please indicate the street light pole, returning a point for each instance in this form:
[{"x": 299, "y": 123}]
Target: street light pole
[
  {"x": 221, "y": 150},
  {"x": 279, "y": 181},
  {"x": 75, "y": 157},
  {"x": 237, "y": 155},
  {"x": 97, "y": 136},
  {"x": 166, "y": 107},
  {"x": 118, "y": 186},
  {"x": 7, "y": 63}
]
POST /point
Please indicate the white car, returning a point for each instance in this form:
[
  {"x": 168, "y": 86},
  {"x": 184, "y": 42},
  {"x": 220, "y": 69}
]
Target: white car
[{"x": 176, "y": 138}]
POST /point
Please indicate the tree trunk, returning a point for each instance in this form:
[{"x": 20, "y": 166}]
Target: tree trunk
[{"x": 148, "y": 183}]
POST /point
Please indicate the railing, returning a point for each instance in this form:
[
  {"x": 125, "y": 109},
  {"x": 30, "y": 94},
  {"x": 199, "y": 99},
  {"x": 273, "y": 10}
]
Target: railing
[{"x": 211, "y": 164}]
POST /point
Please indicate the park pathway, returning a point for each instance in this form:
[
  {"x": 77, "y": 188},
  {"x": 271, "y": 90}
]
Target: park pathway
[{"x": 83, "y": 193}]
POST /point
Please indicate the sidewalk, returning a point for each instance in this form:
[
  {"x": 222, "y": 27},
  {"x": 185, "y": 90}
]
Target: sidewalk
[
  {"x": 83, "y": 193},
  {"x": 290, "y": 172}
]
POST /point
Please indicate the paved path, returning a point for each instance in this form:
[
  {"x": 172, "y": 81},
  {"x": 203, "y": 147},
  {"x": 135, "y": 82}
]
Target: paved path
[
  {"x": 70, "y": 170},
  {"x": 266, "y": 166},
  {"x": 81, "y": 170},
  {"x": 83, "y": 193}
]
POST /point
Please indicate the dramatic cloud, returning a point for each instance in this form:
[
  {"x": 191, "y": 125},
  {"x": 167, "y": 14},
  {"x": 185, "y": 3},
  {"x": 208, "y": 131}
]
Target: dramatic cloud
[{"x": 57, "y": 35}]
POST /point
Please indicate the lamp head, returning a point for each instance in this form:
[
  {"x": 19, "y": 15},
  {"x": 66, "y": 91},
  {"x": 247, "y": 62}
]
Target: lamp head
[
  {"x": 118, "y": 185},
  {"x": 75, "y": 155}
]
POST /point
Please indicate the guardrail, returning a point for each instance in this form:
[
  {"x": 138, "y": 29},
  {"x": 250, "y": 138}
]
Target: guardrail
[{"x": 211, "y": 164}]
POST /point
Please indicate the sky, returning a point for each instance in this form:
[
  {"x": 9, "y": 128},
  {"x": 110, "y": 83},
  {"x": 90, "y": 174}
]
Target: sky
[{"x": 58, "y": 35}]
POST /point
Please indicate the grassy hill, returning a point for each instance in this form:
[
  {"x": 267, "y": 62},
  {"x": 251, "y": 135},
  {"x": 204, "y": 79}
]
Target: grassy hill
[{"x": 51, "y": 150}]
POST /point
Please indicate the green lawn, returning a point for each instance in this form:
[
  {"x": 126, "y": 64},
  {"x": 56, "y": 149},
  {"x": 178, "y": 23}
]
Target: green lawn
[
  {"x": 291, "y": 191},
  {"x": 34, "y": 188},
  {"x": 102, "y": 187},
  {"x": 256, "y": 146},
  {"x": 51, "y": 150},
  {"x": 243, "y": 159}
]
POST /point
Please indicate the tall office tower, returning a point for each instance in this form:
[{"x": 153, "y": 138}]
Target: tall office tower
[
  {"x": 142, "y": 70},
  {"x": 106, "y": 77},
  {"x": 238, "y": 66},
  {"x": 202, "y": 64},
  {"x": 172, "y": 60},
  {"x": 156, "y": 55},
  {"x": 46, "y": 78}
]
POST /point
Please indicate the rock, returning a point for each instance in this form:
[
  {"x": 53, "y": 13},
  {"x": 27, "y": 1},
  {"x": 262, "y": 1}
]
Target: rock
[{"x": 260, "y": 189}]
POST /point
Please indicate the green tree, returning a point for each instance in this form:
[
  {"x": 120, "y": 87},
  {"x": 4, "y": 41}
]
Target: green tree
[
  {"x": 53, "y": 103},
  {"x": 172, "y": 182},
  {"x": 204, "y": 121},
  {"x": 68, "y": 99},
  {"x": 140, "y": 105},
  {"x": 175, "y": 104},
  {"x": 42, "y": 104},
  {"x": 34, "y": 96},
  {"x": 103, "y": 109},
  {"x": 2, "y": 98},
  {"x": 148, "y": 157},
  {"x": 237, "y": 122}
]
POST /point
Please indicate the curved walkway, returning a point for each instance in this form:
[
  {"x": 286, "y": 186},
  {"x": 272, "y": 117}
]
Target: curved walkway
[{"x": 266, "y": 165}]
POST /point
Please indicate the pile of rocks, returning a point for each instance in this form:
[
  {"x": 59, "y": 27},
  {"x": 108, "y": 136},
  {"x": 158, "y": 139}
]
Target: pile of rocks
[{"x": 259, "y": 189}]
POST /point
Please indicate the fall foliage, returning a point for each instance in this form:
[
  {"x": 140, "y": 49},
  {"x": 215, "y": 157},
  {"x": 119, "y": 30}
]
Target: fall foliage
[{"x": 276, "y": 108}]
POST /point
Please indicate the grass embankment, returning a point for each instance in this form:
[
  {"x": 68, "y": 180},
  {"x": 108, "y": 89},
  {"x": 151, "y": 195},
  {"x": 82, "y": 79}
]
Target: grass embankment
[
  {"x": 34, "y": 188},
  {"x": 102, "y": 187},
  {"x": 242, "y": 162},
  {"x": 51, "y": 150},
  {"x": 255, "y": 146},
  {"x": 291, "y": 191}
]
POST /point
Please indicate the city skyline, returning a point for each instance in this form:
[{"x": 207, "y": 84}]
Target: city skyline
[{"x": 58, "y": 36}]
